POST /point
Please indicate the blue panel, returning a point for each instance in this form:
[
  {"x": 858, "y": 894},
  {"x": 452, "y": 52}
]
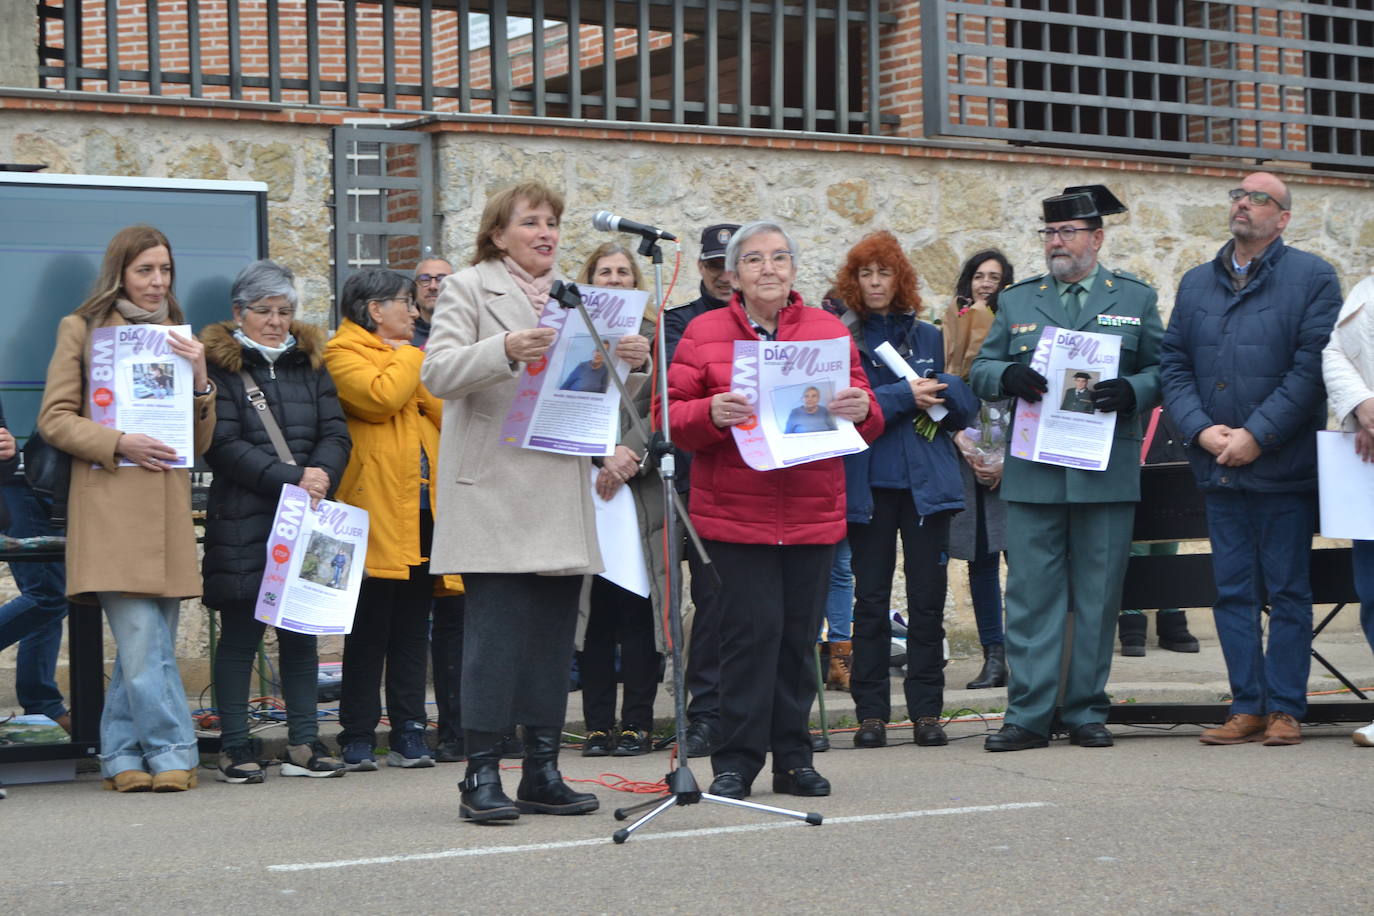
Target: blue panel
[{"x": 52, "y": 238}]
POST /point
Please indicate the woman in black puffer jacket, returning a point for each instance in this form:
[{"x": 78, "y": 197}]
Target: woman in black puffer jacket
[{"x": 286, "y": 360}]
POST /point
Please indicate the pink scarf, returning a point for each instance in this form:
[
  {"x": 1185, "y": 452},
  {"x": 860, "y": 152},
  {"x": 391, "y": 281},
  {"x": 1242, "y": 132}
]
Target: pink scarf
[{"x": 536, "y": 289}]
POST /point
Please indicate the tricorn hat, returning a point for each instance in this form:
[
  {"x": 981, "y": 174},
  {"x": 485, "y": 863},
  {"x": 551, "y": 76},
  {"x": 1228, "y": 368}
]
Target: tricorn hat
[
  {"x": 1083, "y": 375},
  {"x": 1081, "y": 202}
]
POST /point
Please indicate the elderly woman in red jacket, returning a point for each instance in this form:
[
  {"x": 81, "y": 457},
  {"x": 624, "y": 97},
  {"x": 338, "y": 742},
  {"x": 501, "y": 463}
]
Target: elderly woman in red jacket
[{"x": 771, "y": 534}]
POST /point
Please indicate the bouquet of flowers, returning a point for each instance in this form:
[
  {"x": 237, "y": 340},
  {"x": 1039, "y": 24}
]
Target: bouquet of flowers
[{"x": 984, "y": 446}]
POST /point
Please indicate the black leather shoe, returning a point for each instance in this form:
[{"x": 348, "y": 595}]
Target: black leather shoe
[
  {"x": 483, "y": 799},
  {"x": 729, "y": 785},
  {"x": 1092, "y": 734},
  {"x": 542, "y": 789},
  {"x": 994, "y": 673},
  {"x": 1014, "y": 738},
  {"x": 450, "y": 752},
  {"x": 871, "y": 733},
  {"x": 802, "y": 781},
  {"x": 511, "y": 747},
  {"x": 699, "y": 743},
  {"x": 929, "y": 733},
  {"x": 819, "y": 743}
]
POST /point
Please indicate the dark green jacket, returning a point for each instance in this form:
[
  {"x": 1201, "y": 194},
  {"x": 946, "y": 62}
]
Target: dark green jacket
[{"x": 1119, "y": 304}]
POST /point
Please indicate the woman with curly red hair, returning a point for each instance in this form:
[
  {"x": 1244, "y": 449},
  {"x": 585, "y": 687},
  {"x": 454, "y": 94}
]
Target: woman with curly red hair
[{"x": 907, "y": 481}]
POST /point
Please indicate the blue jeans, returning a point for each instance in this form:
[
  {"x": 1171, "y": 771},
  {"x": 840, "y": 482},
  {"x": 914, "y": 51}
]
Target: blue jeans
[
  {"x": 985, "y": 589},
  {"x": 34, "y": 619},
  {"x": 1262, "y": 545},
  {"x": 1362, "y": 558},
  {"x": 839, "y": 600},
  {"x": 146, "y": 724}
]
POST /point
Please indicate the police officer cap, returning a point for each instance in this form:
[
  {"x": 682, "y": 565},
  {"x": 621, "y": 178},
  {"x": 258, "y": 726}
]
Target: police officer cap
[
  {"x": 715, "y": 238},
  {"x": 1081, "y": 202},
  {"x": 1083, "y": 375}
]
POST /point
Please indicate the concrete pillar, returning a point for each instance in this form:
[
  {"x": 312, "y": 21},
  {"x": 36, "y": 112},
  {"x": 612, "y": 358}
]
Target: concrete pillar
[{"x": 18, "y": 45}]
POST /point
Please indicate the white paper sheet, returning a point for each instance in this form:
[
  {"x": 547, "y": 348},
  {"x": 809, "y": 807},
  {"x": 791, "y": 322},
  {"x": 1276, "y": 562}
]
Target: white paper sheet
[
  {"x": 1346, "y": 486},
  {"x": 622, "y": 548}
]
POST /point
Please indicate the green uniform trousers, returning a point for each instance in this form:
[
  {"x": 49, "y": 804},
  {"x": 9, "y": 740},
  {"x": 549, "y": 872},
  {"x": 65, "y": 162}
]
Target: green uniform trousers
[{"x": 1063, "y": 557}]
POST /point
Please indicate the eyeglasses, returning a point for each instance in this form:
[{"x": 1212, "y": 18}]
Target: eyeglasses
[
  {"x": 1064, "y": 232},
  {"x": 264, "y": 311},
  {"x": 426, "y": 279},
  {"x": 1258, "y": 198},
  {"x": 408, "y": 303},
  {"x": 754, "y": 261}
]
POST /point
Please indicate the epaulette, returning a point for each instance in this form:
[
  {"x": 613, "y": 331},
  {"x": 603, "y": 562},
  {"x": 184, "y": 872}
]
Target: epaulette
[
  {"x": 1127, "y": 275},
  {"x": 1036, "y": 280}
]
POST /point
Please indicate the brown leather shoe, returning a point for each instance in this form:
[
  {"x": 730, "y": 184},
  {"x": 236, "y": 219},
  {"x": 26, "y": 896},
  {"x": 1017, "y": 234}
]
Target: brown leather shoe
[
  {"x": 1239, "y": 729},
  {"x": 174, "y": 781},
  {"x": 1283, "y": 730},
  {"x": 130, "y": 781}
]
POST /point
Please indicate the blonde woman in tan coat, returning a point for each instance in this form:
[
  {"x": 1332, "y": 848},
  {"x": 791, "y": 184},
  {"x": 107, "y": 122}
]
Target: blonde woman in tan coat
[{"x": 130, "y": 541}]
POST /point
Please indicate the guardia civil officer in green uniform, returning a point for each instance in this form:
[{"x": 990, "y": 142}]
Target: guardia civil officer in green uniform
[{"x": 1069, "y": 530}]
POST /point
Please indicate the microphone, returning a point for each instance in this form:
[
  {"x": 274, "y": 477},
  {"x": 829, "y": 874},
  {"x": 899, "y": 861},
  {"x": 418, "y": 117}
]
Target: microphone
[{"x": 606, "y": 221}]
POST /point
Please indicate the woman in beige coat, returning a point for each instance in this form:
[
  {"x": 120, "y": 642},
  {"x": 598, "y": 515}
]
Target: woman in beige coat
[
  {"x": 517, "y": 523},
  {"x": 130, "y": 540}
]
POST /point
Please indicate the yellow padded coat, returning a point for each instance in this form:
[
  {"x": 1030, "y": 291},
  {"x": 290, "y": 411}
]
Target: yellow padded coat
[{"x": 391, "y": 417}]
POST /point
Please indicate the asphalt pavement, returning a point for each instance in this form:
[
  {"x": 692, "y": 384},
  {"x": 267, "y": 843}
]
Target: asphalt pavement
[{"x": 1157, "y": 824}]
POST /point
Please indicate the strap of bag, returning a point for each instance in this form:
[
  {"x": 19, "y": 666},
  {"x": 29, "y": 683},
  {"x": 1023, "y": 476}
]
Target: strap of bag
[{"x": 258, "y": 400}]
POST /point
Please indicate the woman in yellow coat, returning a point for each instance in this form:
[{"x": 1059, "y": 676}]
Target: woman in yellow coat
[
  {"x": 130, "y": 540},
  {"x": 394, "y": 423}
]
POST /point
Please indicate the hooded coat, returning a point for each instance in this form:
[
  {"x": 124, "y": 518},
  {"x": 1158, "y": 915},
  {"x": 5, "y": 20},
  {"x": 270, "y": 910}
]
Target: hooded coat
[{"x": 248, "y": 474}]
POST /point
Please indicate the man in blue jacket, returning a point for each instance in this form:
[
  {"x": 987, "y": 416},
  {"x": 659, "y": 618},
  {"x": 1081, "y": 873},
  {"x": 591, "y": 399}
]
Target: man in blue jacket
[{"x": 1242, "y": 376}]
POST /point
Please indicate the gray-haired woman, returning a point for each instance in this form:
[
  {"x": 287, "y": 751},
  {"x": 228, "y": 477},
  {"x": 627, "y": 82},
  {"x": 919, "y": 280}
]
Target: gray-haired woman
[
  {"x": 285, "y": 359},
  {"x": 771, "y": 534}
]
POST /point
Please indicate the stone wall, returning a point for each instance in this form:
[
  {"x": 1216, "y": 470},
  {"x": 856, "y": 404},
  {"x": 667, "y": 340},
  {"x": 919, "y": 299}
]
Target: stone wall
[
  {"x": 943, "y": 209},
  {"x": 944, "y": 202}
]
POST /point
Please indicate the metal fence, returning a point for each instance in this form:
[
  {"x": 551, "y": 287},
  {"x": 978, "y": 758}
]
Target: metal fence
[
  {"x": 802, "y": 64},
  {"x": 1265, "y": 79}
]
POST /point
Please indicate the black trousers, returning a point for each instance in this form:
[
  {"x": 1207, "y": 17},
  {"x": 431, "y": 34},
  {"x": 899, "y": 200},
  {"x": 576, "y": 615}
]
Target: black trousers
[
  {"x": 924, "y": 559},
  {"x": 391, "y": 632},
  {"x": 446, "y": 654},
  {"x": 619, "y": 617},
  {"x": 517, "y": 650},
  {"x": 703, "y": 657},
  {"x": 770, "y": 602}
]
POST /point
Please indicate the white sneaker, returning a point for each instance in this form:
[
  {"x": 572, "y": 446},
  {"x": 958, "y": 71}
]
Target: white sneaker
[{"x": 1364, "y": 737}]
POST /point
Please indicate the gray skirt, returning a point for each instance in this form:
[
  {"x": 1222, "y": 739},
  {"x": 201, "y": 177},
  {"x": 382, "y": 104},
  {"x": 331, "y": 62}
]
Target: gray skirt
[
  {"x": 517, "y": 649},
  {"x": 963, "y": 529}
]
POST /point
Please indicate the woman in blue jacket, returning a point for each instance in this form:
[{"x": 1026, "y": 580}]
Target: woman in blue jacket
[{"x": 907, "y": 481}]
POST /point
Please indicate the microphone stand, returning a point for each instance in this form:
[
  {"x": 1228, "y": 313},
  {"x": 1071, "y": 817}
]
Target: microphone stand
[{"x": 682, "y": 785}]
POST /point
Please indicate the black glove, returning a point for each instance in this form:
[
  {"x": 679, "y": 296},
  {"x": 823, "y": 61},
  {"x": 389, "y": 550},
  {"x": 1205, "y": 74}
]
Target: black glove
[
  {"x": 1113, "y": 395},
  {"x": 1024, "y": 382}
]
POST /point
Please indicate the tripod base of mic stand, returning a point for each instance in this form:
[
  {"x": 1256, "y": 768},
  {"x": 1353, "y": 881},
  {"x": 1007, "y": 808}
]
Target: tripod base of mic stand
[{"x": 683, "y": 790}]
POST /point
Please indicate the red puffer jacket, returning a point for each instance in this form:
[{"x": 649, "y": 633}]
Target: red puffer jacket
[{"x": 731, "y": 501}]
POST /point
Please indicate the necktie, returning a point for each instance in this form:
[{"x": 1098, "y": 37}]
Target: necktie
[{"x": 1072, "y": 301}]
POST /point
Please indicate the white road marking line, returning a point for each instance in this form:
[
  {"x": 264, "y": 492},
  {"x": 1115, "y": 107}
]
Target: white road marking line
[{"x": 641, "y": 837}]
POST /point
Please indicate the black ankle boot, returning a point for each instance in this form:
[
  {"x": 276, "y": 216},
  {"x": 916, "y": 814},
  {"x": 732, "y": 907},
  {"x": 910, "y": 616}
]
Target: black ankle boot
[
  {"x": 994, "y": 673},
  {"x": 483, "y": 798},
  {"x": 1172, "y": 629},
  {"x": 1131, "y": 629},
  {"x": 542, "y": 789}
]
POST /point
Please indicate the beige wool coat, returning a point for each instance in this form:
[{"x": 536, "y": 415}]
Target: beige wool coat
[
  {"x": 128, "y": 529},
  {"x": 501, "y": 509}
]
